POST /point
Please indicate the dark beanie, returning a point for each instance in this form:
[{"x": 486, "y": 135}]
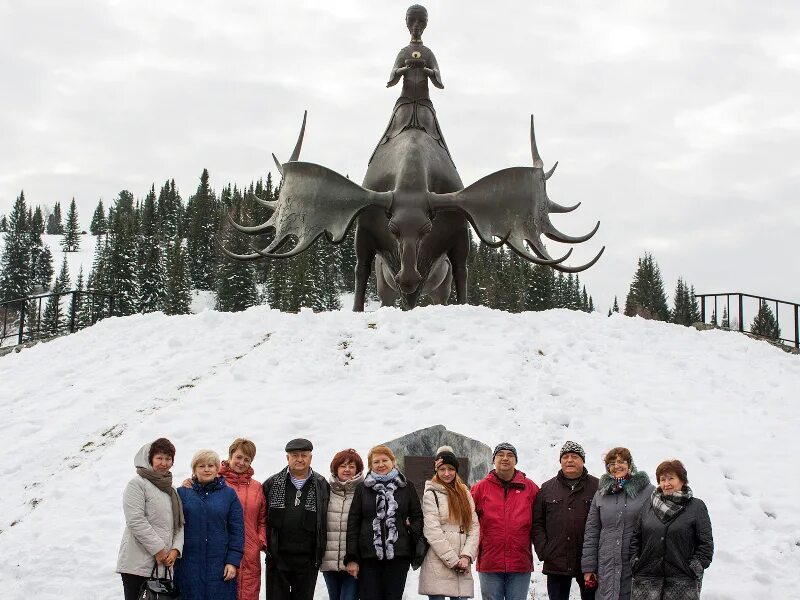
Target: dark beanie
[{"x": 447, "y": 458}]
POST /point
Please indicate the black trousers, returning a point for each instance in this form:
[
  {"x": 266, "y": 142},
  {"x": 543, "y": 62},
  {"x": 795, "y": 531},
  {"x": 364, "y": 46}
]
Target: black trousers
[
  {"x": 131, "y": 584},
  {"x": 291, "y": 578},
  {"x": 558, "y": 587},
  {"x": 382, "y": 579}
]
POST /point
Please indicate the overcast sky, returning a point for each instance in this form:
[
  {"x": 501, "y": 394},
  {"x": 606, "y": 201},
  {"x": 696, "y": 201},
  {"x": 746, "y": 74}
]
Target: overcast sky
[{"x": 677, "y": 124}]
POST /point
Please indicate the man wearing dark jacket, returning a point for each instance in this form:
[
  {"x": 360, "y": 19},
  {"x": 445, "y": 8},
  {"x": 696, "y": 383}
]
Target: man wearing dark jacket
[
  {"x": 559, "y": 518},
  {"x": 297, "y": 507}
]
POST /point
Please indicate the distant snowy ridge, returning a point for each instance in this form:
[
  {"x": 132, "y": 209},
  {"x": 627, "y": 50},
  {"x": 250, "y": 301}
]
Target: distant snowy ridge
[{"x": 77, "y": 409}]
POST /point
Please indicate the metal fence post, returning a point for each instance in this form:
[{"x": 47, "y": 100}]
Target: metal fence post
[
  {"x": 741, "y": 314},
  {"x": 21, "y": 321},
  {"x": 796, "y": 328},
  {"x": 702, "y": 309},
  {"x": 72, "y": 310}
]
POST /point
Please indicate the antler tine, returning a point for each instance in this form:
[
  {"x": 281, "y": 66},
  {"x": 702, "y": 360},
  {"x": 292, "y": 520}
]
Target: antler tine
[
  {"x": 564, "y": 269},
  {"x": 256, "y": 229},
  {"x": 537, "y": 160},
  {"x": 296, "y": 154},
  {"x": 553, "y": 207},
  {"x": 270, "y": 204},
  {"x": 555, "y": 234},
  {"x": 543, "y": 254},
  {"x": 550, "y": 172},
  {"x": 234, "y": 256},
  {"x": 278, "y": 164}
]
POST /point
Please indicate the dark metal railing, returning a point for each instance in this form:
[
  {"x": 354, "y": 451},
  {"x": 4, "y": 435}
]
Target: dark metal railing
[
  {"x": 793, "y": 310},
  {"x": 42, "y": 316}
]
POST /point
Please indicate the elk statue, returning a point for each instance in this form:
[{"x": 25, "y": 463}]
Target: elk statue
[{"x": 412, "y": 212}]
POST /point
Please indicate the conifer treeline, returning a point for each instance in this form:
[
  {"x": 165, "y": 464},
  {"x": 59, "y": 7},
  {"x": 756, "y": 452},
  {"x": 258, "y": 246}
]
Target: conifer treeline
[{"x": 151, "y": 253}]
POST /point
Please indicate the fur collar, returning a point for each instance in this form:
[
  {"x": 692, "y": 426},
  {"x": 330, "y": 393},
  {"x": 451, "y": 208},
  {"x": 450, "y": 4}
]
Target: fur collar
[
  {"x": 343, "y": 487},
  {"x": 639, "y": 480}
]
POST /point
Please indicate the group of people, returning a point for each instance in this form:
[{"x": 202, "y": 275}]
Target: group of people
[{"x": 365, "y": 526}]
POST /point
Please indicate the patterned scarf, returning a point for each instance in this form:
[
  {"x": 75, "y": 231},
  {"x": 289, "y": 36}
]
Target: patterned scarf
[
  {"x": 667, "y": 506},
  {"x": 385, "y": 510},
  {"x": 277, "y": 496},
  {"x": 619, "y": 484}
]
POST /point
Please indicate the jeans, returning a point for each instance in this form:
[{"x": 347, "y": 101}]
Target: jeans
[
  {"x": 558, "y": 587},
  {"x": 341, "y": 585},
  {"x": 504, "y": 586}
]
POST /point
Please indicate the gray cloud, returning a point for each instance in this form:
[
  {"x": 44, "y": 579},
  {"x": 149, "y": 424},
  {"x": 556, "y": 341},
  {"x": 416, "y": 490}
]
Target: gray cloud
[{"x": 676, "y": 124}]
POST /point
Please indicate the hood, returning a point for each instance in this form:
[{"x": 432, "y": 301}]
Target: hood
[
  {"x": 345, "y": 486},
  {"x": 518, "y": 479},
  {"x": 436, "y": 487},
  {"x": 638, "y": 481},
  {"x": 140, "y": 460}
]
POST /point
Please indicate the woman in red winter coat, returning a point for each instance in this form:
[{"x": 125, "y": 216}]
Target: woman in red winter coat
[{"x": 238, "y": 475}]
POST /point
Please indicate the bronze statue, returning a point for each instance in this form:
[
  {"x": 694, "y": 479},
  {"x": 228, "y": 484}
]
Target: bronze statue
[{"x": 412, "y": 210}]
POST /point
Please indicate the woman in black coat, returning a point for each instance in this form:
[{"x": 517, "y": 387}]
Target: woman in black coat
[
  {"x": 672, "y": 543},
  {"x": 383, "y": 526}
]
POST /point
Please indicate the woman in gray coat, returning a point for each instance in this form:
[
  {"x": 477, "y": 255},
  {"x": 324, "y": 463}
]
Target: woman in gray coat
[
  {"x": 347, "y": 471},
  {"x": 612, "y": 517},
  {"x": 153, "y": 518}
]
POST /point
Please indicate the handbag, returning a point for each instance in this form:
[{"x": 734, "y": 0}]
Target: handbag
[
  {"x": 421, "y": 546},
  {"x": 159, "y": 588}
]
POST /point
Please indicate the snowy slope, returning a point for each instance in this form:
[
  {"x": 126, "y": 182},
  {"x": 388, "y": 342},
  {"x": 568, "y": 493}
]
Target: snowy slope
[{"x": 77, "y": 409}]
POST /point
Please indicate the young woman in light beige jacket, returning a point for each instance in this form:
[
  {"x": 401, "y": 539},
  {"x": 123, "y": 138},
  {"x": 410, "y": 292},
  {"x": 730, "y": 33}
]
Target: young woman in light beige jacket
[{"x": 452, "y": 531}]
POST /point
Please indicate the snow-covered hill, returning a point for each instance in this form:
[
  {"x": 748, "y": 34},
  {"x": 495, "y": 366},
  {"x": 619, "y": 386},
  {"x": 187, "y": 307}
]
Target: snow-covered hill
[{"x": 76, "y": 410}]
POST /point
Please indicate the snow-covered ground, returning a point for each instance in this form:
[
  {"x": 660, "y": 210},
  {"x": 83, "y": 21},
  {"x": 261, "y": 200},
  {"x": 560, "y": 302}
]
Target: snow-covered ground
[{"x": 77, "y": 409}]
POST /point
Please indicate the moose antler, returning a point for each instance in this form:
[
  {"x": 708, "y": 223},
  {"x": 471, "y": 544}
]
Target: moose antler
[
  {"x": 512, "y": 205},
  {"x": 313, "y": 200}
]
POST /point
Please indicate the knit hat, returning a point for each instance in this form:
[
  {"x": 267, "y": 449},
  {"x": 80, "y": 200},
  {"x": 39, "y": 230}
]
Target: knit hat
[
  {"x": 446, "y": 455},
  {"x": 574, "y": 448},
  {"x": 505, "y": 446}
]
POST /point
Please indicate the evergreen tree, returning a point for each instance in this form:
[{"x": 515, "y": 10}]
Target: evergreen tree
[
  {"x": 3, "y": 224},
  {"x": 725, "y": 323},
  {"x": 55, "y": 316},
  {"x": 16, "y": 280},
  {"x": 646, "y": 296},
  {"x": 236, "y": 285},
  {"x": 99, "y": 225},
  {"x": 38, "y": 221},
  {"x": 54, "y": 226},
  {"x": 177, "y": 296},
  {"x": 82, "y": 315},
  {"x": 122, "y": 257},
  {"x": 585, "y": 300},
  {"x": 591, "y": 305},
  {"x": 540, "y": 294},
  {"x": 615, "y": 308},
  {"x": 152, "y": 278},
  {"x": 327, "y": 279},
  {"x": 714, "y": 318},
  {"x": 765, "y": 324},
  {"x": 202, "y": 215},
  {"x": 71, "y": 241},
  {"x": 43, "y": 271}
]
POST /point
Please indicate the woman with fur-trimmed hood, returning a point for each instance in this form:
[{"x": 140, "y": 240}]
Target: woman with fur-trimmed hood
[{"x": 609, "y": 528}]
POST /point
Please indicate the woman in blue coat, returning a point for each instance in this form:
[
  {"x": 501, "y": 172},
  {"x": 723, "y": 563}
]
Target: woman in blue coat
[{"x": 213, "y": 533}]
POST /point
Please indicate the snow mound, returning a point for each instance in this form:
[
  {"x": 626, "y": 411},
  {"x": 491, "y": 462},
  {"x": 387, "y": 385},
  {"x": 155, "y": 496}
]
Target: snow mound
[{"x": 77, "y": 409}]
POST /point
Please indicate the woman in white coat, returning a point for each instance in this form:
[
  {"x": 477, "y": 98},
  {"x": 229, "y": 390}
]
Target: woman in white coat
[
  {"x": 451, "y": 528},
  {"x": 153, "y": 518}
]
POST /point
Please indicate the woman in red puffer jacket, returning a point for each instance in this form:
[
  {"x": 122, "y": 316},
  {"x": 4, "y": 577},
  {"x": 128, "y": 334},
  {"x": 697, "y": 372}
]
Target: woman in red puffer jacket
[{"x": 238, "y": 474}]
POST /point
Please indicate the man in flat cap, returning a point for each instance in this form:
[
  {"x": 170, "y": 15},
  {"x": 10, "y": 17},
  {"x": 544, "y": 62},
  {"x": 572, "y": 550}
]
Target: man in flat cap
[
  {"x": 297, "y": 507},
  {"x": 559, "y": 518}
]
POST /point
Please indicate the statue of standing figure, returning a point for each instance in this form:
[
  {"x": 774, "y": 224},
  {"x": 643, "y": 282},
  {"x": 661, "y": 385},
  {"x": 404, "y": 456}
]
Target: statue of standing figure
[{"x": 415, "y": 64}]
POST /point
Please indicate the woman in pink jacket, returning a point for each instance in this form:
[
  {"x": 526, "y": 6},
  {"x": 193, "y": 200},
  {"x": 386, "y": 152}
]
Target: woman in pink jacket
[{"x": 238, "y": 474}]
